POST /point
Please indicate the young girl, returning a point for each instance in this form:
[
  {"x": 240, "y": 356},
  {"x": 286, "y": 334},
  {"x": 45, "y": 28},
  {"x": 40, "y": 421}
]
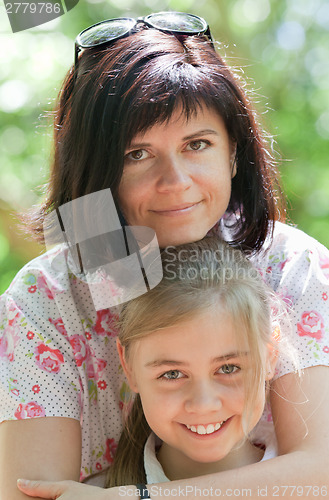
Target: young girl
[{"x": 198, "y": 350}]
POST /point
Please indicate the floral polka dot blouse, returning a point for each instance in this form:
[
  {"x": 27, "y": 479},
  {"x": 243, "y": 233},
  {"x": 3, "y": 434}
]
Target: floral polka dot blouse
[{"x": 58, "y": 355}]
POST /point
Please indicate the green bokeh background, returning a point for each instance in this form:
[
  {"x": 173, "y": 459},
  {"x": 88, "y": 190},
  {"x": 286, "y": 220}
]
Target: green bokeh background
[{"x": 282, "y": 47}]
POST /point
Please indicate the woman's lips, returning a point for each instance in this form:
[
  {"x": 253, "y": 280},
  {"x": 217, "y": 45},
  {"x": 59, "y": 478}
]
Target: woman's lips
[{"x": 177, "y": 210}]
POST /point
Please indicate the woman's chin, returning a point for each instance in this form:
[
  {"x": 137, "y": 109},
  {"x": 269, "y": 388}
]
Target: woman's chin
[{"x": 179, "y": 238}]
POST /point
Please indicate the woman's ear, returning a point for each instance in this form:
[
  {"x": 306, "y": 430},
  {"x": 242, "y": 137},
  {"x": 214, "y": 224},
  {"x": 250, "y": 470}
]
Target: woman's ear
[
  {"x": 272, "y": 352},
  {"x": 126, "y": 368},
  {"x": 233, "y": 158}
]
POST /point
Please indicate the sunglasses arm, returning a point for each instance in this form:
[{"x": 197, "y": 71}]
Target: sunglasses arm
[
  {"x": 77, "y": 50},
  {"x": 210, "y": 38}
]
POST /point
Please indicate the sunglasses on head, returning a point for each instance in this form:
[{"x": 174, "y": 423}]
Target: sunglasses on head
[{"x": 101, "y": 34}]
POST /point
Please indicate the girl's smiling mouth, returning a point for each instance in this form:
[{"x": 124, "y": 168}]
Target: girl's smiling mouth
[{"x": 205, "y": 429}]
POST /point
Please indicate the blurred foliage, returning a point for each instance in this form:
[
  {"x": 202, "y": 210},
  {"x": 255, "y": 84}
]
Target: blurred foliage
[{"x": 282, "y": 48}]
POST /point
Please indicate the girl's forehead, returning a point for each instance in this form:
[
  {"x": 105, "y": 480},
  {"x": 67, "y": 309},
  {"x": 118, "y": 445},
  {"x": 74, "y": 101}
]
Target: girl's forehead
[{"x": 209, "y": 333}]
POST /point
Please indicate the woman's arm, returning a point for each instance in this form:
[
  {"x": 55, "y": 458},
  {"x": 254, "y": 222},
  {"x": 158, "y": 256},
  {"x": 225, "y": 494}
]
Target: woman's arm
[
  {"x": 46, "y": 448},
  {"x": 300, "y": 411}
]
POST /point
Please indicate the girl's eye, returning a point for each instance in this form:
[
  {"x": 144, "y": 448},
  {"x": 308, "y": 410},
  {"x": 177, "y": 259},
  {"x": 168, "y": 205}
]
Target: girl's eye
[
  {"x": 229, "y": 369},
  {"x": 172, "y": 375},
  {"x": 198, "y": 145},
  {"x": 137, "y": 155}
]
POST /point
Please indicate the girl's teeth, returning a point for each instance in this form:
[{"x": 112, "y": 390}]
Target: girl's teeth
[{"x": 209, "y": 429}]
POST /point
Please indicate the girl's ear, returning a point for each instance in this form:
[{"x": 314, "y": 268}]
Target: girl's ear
[
  {"x": 272, "y": 352},
  {"x": 126, "y": 368}
]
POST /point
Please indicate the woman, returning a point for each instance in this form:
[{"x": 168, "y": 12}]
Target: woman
[{"x": 158, "y": 118}]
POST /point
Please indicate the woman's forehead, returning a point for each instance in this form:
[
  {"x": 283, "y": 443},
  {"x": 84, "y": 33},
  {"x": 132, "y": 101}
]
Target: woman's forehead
[{"x": 180, "y": 117}]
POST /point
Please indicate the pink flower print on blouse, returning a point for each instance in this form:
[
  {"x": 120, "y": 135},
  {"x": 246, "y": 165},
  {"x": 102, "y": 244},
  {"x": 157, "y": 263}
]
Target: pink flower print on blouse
[
  {"x": 324, "y": 264},
  {"x": 102, "y": 385},
  {"x": 10, "y": 337},
  {"x": 106, "y": 323},
  {"x": 29, "y": 410},
  {"x": 12, "y": 385},
  {"x": 111, "y": 447},
  {"x": 29, "y": 279},
  {"x": 30, "y": 335},
  {"x": 48, "y": 359},
  {"x": 43, "y": 286},
  {"x": 59, "y": 325},
  {"x": 286, "y": 297},
  {"x": 311, "y": 324},
  {"x": 279, "y": 260},
  {"x": 95, "y": 367},
  {"x": 8, "y": 342},
  {"x": 80, "y": 348}
]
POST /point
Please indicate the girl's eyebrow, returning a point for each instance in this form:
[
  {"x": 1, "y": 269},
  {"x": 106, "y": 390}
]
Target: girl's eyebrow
[
  {"x": 160, "y": 362},
  {"x": 140, "y": 145},
  {"x": 170, "y": 362}
]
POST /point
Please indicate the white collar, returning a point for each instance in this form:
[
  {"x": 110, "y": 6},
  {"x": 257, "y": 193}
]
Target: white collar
[{"x": 154, "y": 471}]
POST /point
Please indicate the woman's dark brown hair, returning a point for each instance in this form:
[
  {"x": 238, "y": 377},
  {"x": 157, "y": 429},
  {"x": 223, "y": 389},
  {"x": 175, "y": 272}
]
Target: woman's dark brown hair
[{"x": 135, "y": 83}]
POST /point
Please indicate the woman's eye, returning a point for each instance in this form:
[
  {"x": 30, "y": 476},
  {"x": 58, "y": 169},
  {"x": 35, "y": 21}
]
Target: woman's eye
[
  {"x": 138, "y": 154},
  {"x": 172, "y": 375},
  {"x": 229, "y": 369},
  {"x": 198, "y": 145}
]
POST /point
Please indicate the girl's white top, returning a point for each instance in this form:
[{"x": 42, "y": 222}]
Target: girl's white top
[{"x": 155, "y": 473}]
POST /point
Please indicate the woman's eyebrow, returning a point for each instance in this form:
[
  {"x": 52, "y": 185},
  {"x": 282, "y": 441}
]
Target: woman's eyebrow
[
  {"x": 170, "y": 362},
  {"x": 207, "y": 131},
  {"x": 140, "y": 145}
]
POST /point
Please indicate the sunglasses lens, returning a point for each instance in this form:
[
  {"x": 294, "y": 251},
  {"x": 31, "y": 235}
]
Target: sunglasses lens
[
  {"x": 105, "y": 32},
  {"x": 177, "y": 21}
]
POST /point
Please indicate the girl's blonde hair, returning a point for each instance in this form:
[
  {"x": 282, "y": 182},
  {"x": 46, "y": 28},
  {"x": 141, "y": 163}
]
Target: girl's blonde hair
[{"x": 196, "y": 276}]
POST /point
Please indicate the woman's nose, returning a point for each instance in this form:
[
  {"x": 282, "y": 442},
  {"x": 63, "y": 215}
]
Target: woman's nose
[
  {"x": 204, "y": 398},
  {"x": 174, "y": 175}
]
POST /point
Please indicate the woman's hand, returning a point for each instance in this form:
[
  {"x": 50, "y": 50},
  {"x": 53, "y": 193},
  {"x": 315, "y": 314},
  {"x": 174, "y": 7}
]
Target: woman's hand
[{"x": 63, "y": 490}]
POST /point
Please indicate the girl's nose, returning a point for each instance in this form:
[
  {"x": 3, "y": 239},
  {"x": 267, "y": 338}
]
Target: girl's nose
[
  {"x": 204, "y": 398},
  {"x": 174, "y": 176}
]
